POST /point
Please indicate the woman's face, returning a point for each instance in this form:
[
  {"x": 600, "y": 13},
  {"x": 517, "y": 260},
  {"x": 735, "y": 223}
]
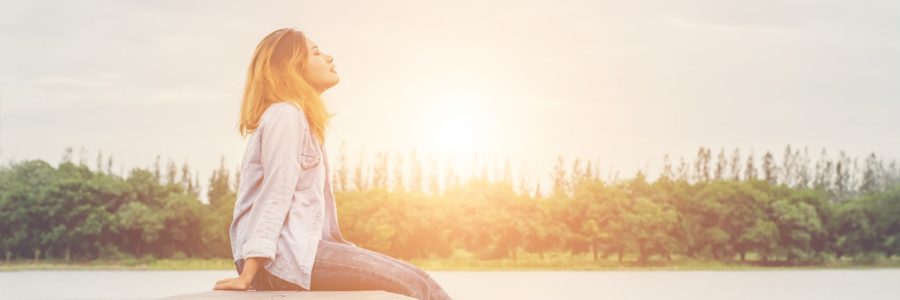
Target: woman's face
[{"x": 319, "y": 70}]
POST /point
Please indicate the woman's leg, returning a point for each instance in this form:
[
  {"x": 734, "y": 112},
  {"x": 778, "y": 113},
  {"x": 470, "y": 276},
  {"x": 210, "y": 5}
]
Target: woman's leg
[
  {"x": 436, "y": 291},
  {"x": 342, "y": 267}
]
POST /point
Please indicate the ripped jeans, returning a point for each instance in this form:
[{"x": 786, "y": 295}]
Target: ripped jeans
[{"x": 344, "y": 267}]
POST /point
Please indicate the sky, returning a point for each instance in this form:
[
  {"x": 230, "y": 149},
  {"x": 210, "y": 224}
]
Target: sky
[{"x": 618, "y": 83}]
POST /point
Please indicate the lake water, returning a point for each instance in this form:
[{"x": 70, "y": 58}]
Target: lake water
[{"x": 670, "y": 285}]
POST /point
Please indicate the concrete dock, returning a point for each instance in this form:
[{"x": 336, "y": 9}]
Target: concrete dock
[{"x": 289, "y": 295}]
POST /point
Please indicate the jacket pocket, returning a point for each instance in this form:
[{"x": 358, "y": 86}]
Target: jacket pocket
[{"x": 310, "y": 156}]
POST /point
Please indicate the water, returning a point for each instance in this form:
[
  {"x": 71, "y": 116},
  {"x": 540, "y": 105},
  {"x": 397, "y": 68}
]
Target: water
[{"x": 670, "y": 285}]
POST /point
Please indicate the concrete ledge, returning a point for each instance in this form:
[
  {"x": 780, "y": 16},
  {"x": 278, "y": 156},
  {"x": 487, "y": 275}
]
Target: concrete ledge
[{"x": 290, "y": 295}]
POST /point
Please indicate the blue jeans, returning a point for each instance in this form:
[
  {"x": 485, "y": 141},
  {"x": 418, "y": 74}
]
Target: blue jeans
[{"x": 344, "y": 267}]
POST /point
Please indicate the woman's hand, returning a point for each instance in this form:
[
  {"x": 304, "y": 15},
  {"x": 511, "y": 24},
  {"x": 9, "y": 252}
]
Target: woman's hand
[
  {"x": 226, "y": 279},
  {"x": 232, "y": 284},
  {"x": 241, "y": 283}
]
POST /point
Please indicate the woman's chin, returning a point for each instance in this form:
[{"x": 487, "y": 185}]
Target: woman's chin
[{"x": 332, "y": 84}]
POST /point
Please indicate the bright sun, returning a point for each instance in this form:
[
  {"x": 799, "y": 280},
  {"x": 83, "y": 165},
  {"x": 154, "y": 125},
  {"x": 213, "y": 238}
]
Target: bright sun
[
  {"x": 457, "y": 125},
  {"x": 455, "y": 134}
]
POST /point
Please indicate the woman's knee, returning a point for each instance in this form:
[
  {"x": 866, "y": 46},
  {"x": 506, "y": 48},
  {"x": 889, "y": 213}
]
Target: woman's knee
[
  {"x": 353, "y": 275},
  {"x": 420, "y": 286},
  {"x": 351, "y": 268},
  {"x": 434, "y": 287}
]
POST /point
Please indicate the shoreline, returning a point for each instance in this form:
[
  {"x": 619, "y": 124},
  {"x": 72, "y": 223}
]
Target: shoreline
[{"x": 452, "y": 265}]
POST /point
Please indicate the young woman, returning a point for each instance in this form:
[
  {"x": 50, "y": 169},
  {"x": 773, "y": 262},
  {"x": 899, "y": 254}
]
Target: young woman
[{"x": 284, "y": 232}]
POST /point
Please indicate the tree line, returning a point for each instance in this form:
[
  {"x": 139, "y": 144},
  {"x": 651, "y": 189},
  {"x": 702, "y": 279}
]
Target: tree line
[{"x": 793, "y": 210}]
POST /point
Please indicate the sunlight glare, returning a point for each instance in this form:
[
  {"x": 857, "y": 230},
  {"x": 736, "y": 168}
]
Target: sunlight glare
[{"x": 457, "y": 124}]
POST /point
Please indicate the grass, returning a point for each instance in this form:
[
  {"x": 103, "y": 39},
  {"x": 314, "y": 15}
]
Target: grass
[
  {"x": 123, "y": 264},
  {"x": 464, "y": 261}
]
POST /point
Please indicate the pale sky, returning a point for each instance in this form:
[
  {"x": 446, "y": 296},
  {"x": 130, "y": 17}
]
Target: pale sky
[{"x": 620, "y": 83}]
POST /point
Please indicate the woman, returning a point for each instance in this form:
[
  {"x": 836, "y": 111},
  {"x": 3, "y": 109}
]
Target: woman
[{"x": 284, "y": 234}]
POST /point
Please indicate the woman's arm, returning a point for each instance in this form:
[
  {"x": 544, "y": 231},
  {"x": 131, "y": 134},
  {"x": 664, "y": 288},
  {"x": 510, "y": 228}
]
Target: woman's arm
[
  {"x": 281, "y": 142},
  {"x": 250, "y": 267},
  {"x": 242, "y": 283}
]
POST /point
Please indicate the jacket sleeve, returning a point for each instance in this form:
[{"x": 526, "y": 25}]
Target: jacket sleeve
[{"x": 281, "y": 143}]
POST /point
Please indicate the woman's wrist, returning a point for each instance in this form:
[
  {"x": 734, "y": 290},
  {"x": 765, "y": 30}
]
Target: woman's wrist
[
  {"x": 246, "y": 277},
  {"x": 245, "y": 281},
  {"x": 251, "y": 266}
]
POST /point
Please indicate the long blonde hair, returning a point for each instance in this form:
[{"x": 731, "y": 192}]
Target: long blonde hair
[{"x": 275, "y": 75}]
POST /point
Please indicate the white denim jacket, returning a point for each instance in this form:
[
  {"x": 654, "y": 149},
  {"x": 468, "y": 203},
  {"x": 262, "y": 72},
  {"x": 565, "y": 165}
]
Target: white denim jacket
[{"x": 284, "y": 187}]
